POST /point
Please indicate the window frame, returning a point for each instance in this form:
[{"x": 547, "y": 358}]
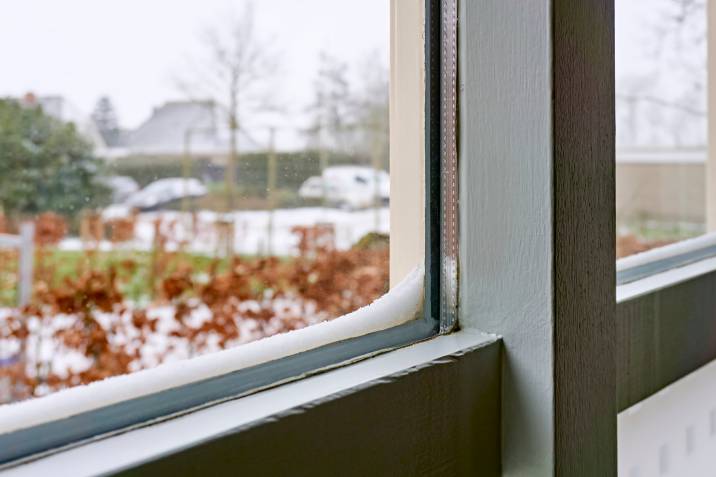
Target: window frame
[
  {"x": 664, "y": 295},
  {"x": 571, "y": 356},
  {"x": 377, "y": 415},
  {"x": 665, "y": 324},
  {"x": 663, "y": 259},
  {"x": 438, "y": 312}
]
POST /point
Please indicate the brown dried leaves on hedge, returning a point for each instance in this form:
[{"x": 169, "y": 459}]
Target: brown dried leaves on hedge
[{"x": 88, "y": 316}]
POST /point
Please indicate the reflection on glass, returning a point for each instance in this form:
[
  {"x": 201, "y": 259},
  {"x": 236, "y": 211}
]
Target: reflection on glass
[
  {"x": 661, "y": 122},
  {"x": 214, "y": 174}
]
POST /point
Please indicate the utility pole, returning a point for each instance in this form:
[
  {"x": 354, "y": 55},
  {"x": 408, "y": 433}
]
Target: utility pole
[
  {"x": 187, "y": 166},
  {"x": 186, "y": 170},
  {"x": 271, "y": 186},
  {"x": 376, "y": 178},
  {"x": 230, "y": 173},
  {"x": 233, "y": 159},
  {"x": 323, "y": 162}
]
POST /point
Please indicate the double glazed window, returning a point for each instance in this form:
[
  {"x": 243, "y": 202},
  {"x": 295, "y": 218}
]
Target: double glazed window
[
  {"x": 665, "y": 222},
  {"x": 661, "y": 106},
  {"x": 250, "y": 196},
  {"x": 200, "y": 202}
]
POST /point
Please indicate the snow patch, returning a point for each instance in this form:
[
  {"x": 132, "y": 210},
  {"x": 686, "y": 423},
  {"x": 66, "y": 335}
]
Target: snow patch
[
  {"x": 251, "y": 228},
  {"x": 398, "y": 306}
]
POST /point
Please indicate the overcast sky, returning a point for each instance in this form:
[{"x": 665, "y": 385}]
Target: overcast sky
[
  {"x": 655, "y": 58},
  {"x": 637, "y": 25},
  {"x": 133, "y": 50},
  {"x": 630, "y": 15}
]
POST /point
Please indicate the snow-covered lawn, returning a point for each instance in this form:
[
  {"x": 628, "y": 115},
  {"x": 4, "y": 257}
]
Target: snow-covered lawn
[
  {"x": 251, "y": 229},
  {"x": 130, "y": 336},
  {"x": 162, "y": 342}
]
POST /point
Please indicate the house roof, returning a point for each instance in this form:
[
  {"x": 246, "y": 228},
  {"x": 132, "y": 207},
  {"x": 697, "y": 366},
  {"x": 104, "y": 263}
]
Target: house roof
[{"x": 165, "y": 132}]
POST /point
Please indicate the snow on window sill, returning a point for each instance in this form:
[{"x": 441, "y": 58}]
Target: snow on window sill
[
  {"x": 663, "y": 267},
  {"x": 397, "y": 307},
  {"x": 123, "y": 451},
  {"x": 673, "y": 251}
]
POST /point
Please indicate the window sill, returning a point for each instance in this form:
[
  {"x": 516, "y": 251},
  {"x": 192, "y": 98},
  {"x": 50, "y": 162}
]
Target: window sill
[
  {"x": 144, "y": 445},
  {"x": 665, "y": 267},
  {"x": 76, "y": 415}
]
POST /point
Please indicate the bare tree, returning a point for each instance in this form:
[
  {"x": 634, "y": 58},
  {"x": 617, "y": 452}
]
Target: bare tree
[
  {"x": 346, "y": 118},
  {"x": 371, "y": 110},
  {"x": 331, "y": 106},
  {"x": 668, "y": 101},
  {"x": 235, "y": 70}
]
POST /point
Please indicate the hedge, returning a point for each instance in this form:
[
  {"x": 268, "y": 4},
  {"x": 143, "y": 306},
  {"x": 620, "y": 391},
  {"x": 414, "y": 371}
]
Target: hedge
[{"x": 251, "y": 172}]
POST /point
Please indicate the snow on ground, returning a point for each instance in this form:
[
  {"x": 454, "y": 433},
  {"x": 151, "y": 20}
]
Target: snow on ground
[
  {"x": 251, "y": 237},
  {"x": 398, "y": 306},
  {"x": 251, "y": 229},
  {"x": 159, "y": 345}
]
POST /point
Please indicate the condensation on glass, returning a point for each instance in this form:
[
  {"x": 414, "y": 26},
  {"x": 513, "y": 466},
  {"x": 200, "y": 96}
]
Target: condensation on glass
[
  {"x": 222, "y": 181},
  {"x": 661, "y": 121}
]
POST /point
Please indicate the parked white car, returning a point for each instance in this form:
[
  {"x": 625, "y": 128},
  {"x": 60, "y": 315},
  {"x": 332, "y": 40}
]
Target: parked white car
[
  {"x": 164, "y": 191},
  {"x": 121, "y": 187},
  {"x": 348, "y": 187}
]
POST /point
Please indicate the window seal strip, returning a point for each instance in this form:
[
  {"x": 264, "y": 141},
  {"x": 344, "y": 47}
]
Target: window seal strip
[
  {"x": 449, "y": 249},
  {"x": 442, "y": 247}
]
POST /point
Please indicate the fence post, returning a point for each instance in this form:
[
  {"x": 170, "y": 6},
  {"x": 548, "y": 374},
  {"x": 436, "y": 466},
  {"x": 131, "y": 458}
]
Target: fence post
[{"x": 26, "y": 265}]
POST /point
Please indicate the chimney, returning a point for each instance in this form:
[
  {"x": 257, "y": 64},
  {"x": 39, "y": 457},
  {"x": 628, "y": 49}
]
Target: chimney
[{"x": 29, "y": 99}]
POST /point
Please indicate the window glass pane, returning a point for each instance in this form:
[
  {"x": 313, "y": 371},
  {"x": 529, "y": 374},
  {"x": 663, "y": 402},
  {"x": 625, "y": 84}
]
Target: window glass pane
[
  {"x": 198, "y": 174},
  {"x": 661, "y": 120}
]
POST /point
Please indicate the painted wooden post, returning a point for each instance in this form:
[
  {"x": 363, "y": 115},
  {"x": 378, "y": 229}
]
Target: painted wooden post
[
  {"x": 711, "y": 111},
  {"x": 537, "y": 223},
  {"x": 407, "y": 137},
  {"x": 26, "y": 265}
]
